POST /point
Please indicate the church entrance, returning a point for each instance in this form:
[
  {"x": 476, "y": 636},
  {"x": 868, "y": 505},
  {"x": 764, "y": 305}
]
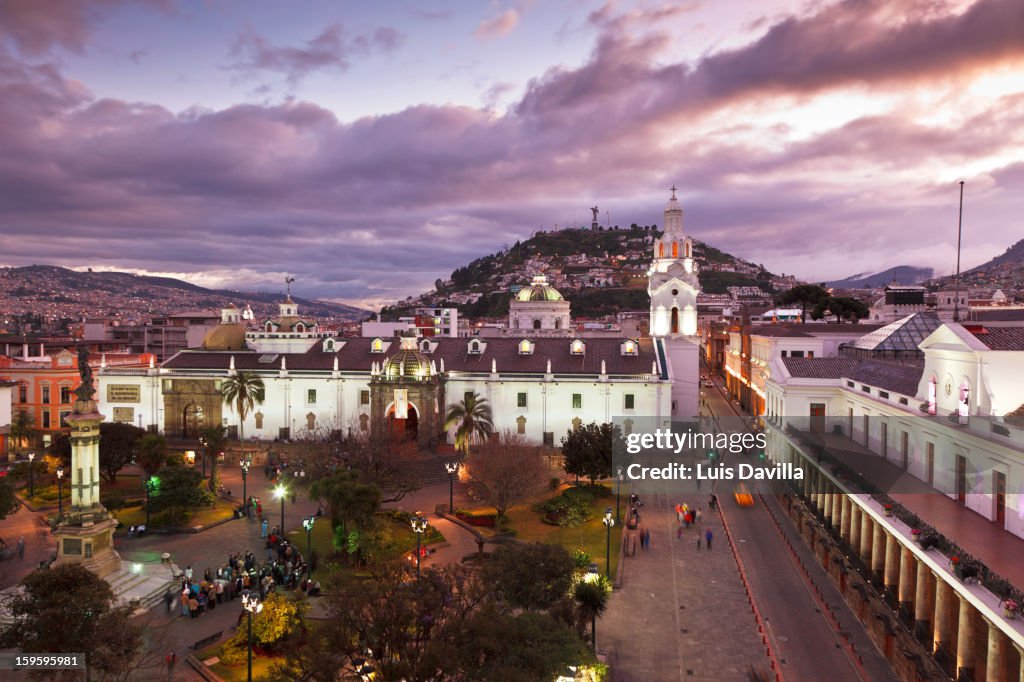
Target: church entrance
[
  {"x": 408, "y": 428},
  {"x": 675, "y": 320},
  {"x": 192, "y": 421}
]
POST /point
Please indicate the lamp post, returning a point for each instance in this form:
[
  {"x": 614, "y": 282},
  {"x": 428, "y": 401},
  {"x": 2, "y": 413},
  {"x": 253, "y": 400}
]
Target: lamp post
[
  {"x": 202, "y": 441},
  {"x": 281, "y": 493},
  {"x": 307, "y": 524},
  {"x": 608, "y": 521},
  {"x": 251, "y": 604},
  {"x": 31, "y": 475},
  {"x": 451, "y": 468},
  {"x": 419, "y": 526},
  {"x": 618, "y": 486},
  {"x": 244, "y": 465},
  {"x": 60, "y": 493},
  {"x": 149, "y": 488}
]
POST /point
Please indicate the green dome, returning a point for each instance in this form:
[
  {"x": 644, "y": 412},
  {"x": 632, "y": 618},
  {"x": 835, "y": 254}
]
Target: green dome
[{"x": 539, "y": 290}]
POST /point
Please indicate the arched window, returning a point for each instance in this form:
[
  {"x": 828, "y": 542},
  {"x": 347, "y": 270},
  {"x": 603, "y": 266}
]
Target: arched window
[
  {"x": 964, "y": 403},
  {"x": 558, "y": 323},
  {"x": 689, "y": 249},
  {"x": 521, "y": 424},
  {"x": 270, "y": 326},
  {"x": 300, "y": 328},
  {"x": 259, "y": 420},
  {"x": 329, "y": 345},
  {"x": 674, "y": 326},
  {"x": 536, "y": 324},
  {"x": 661, "y": 250},
  {"x": 675, "y": 249},
  {"x": 310, "y": 421}
]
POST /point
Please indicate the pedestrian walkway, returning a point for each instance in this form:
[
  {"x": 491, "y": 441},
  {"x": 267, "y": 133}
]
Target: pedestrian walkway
[{"x": 681, "y": 612}]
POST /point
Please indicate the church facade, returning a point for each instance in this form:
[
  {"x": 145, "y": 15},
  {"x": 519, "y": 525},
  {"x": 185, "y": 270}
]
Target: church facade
[{"x": 540, "y": 381}]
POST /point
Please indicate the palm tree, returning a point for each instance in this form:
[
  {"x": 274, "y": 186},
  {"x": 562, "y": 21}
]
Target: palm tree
[
  {"x": 473, "y": 417},
  {"x": 592, "y": 599},
  {"x": 23, "y": 428},
  {"x": 241, "y": 391}
]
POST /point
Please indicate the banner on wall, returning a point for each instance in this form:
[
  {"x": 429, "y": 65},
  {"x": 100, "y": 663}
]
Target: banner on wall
[{"x": 401, "y": 403}]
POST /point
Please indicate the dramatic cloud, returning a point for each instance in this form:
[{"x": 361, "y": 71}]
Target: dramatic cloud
[
  {"x": 36, "y": 26},
  {"x": 375, "y": 209},
  {"x": 332, "y": 49},
  {"x": 497, "y": 26}
]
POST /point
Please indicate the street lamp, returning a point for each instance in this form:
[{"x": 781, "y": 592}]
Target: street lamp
[
  {"x": 307, "y": 524},
  {"x": 31, "y": 475},
  {"x": 608, "y": 521},
  {"x": 419, "y": 526},
  {"x": 152, "y": 485},
  {"x": 244, "y": 464},
  {"x": 202, "y": 441},
  {"x": 60, "y": 493},
  {"x": 251, "y": 603},
  {"x": 281, "y": 493},
  {"x": 451, "y": 468}
]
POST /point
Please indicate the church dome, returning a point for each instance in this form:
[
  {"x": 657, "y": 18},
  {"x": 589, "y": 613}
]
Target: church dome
[
  {"x": 539, "y": 290},
  {"x": 407, "y": 363},
  {"x": 225, "y": 337}
]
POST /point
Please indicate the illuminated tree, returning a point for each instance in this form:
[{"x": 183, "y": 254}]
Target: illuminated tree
[{"x": 241, "y": 392}]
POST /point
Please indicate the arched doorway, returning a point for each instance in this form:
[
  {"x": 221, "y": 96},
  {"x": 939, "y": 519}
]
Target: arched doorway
[
  {"x": 407, "y": 428},
  {"x": 192, "y": 420},
  {"x": 675, "y": 320}
]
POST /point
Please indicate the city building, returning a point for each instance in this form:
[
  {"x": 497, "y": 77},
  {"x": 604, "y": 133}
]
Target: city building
[
  {"x": 897, "y": 301},
  {"x": 437, "y": 321},
  {"x": 540, "y": 310},
  {"x": 7, "y": 389},
  {"x": 163, "y": 336}
]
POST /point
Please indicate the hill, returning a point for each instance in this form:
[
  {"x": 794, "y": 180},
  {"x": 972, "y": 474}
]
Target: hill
[
  {"x": 599, "y": 272},
  {"x": 904, "y": 274},
  {"x": 56, "y": 292},
  {"x": 1005, "y": 271}
]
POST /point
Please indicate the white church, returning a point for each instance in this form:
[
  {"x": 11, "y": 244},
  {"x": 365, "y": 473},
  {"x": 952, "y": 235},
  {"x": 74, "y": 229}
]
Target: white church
[{"x": 537, "y": 384}]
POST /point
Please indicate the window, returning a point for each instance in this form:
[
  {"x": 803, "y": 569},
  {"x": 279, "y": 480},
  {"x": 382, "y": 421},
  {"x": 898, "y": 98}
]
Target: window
[
  {"x": 810, "y": 353},
  {"x": 784, "y": 353},
  {"x": 46, "y": 394},
  {"x": 259, "y": 420},
  {"x": 329, "y": 345},
  {"x": 65, "y": 395},
  {"x": 929, "y": 463},
  {"x": 310, "y": 421},
  {"x": 885, "y": 439},
  {"x": 474, "y": 346},
  {"x": 377, "y": 346},
  {"x": 46, "y": 419},
  {"x": 311, "y": 396},
  {"x": 883, "y": 394},
  {"x": 796, "y": 353},
  {"x": 364, "y": 397},
  {"x": 64, "y": 418},
  {"x": 524, "y": 347},
  {"x": 521, "y": 425},
  {"x": 630, "y": 401},
  {"x": 577, "y": 401},
  {"x": 468, "y": 396},
  {"x": 22, "y": 393},
  {"x": 849, "y": 384},
  {"x": 905, "y": 448},
  {"x": 577, "y": 347},
  {"x": 521, "y": 400},
  {"x": 903, "y": 401},
  {"x": 866, "y": 389}
]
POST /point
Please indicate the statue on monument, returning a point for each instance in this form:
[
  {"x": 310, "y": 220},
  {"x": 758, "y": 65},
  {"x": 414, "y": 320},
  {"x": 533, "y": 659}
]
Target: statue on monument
[
  {"x": 593, "y": 209},
  {"x": 86, "y": 390}
]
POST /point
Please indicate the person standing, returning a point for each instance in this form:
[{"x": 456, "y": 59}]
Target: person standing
[
  {"x": 188, "y": 572},
  {"x": 708, "y": 536},
  {"x": 263, "y": 528},
  {"x": 21, "y": 547},
  {"x": 647, "y": 538}
]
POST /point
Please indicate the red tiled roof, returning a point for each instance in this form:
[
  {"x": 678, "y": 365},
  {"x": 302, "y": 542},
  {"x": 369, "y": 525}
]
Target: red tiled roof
[
  {"x": 1015, "y": 418},
  {"x": 355, "y": 355},
  {"x": 999, "y": 338}
]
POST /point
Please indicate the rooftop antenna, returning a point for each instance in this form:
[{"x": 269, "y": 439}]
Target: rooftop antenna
[
  {"x": 959, "y": 230},
  {"x": 288, "y": 283}
]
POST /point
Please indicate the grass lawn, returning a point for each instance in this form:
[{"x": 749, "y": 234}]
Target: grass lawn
[
  {"x": 592, "y": 535},
  {"x": 133, "y": 516},
  {"x": 323, "y": 537},
  {"x": 260, "y": 665},
  {"x": 46, "y": 496}
]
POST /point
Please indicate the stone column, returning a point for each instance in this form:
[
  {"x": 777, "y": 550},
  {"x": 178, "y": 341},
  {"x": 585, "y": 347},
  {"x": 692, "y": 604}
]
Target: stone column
[
  {"x": 924, "y": 603},
  {"x": 965, "y": 641},
  {"x": 892, "y": 562},
  {"x": 827, "y": 508},
  {"x": 906, "y": 586},
  {"x": 995, "y": 667},
  {"x": 1020, "y": 672},
  {"x": 866, "y": 524},
  {"x": 837, "y": 510},
  {"x": 941, "y": 632},
  {"x": 855, "y": 514},
  {"x": 878, "y": 551},
  {"x": 844, "y": 521}
]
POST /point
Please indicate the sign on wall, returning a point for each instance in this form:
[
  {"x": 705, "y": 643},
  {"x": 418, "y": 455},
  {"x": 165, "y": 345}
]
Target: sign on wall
[
  {"x": 123, "y": 393},
  {"x": 124, "y": 414}
]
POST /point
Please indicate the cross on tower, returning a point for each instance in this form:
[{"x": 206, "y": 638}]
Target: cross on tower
[{"x": 673, "y": 191}]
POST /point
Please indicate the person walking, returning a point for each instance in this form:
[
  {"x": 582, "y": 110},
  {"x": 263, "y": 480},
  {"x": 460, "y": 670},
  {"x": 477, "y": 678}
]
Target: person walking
[
  {"x": 708, "y": 536},
  {"x": 185, "y": 603},
  {"x": 263, "y": 528},
  {"x": 168, "y": 599},
  {"x": 647, "y": 538},
  {"x": 188, "y": 572},
  {"x": 21, "y": 547}
]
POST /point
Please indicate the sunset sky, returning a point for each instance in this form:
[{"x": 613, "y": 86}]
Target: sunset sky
[{"x": 369, "y": 148}]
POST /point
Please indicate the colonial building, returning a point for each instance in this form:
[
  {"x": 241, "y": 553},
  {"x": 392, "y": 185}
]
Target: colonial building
[{"x": 540, "y": 310}]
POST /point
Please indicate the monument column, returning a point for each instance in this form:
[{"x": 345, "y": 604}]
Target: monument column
[{"x": 85, "y": 533}]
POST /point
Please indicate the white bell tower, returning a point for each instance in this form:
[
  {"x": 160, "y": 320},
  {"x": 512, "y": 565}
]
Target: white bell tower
[{"x": 673, "y": 287}]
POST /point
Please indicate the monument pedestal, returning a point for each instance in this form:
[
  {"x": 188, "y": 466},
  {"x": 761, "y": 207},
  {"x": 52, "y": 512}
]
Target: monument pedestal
[{"x": 89, "y": 543}]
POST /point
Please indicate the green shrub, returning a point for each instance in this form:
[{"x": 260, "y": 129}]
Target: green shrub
[
  {"x": 581, "y": 558},
  {"x": 172, "y": 516}
]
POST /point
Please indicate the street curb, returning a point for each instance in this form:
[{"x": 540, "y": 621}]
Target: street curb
[{"x": 203, "y": 671}]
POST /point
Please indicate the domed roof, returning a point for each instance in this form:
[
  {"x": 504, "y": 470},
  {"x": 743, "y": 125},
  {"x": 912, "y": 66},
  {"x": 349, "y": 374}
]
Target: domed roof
[
  {"x": 407, "y": 363},
  {"x": 225, "y": 337},
  {"x": 539, "y": 290}
]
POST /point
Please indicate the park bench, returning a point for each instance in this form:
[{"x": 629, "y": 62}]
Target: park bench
[{"x": 206, "y": 641}]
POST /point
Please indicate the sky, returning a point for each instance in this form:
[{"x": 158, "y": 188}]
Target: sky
[{"x": 367, "y": 149}]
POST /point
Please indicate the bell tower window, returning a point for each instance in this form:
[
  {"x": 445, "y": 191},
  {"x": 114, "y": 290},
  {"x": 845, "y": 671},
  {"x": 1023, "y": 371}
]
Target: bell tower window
[{"x": 675, "y": 249}]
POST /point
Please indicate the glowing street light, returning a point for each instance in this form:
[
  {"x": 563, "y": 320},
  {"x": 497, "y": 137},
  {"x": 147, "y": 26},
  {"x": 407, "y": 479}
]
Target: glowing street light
[
  {"x": 419, "y": 526},
  {"x": 31, "y": 475},
  {"x": 307, "y": 525},
  {"x": 251, "y": 604},
  {"x": 244, "y": 464},
  {"x": 608, "y": 521},
  {"x": 281, "y": 493},
  {"x": 452, "y": 468},
  {"x": 60, "y": 493}
]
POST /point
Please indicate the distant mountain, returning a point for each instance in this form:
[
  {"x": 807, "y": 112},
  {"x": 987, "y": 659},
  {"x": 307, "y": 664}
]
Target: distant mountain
[
  {"x": 1005, "y": 271},
  {"x": 599, "y": 272},
  {"x": 904, "y": 274},
  {"x": 71, "y": 293}
]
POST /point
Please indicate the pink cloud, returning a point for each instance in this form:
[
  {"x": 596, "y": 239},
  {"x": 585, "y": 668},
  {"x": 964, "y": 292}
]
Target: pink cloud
[{"x": 497, "y": 26}]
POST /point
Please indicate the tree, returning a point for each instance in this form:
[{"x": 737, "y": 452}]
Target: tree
[
  {"x": 384, "y": 460},
  {"x": 473, "y": 421},
  {"x": 152, "y": 453},
  {"x": 214, "y": 439},
  {"x": 179, "y": 487},
  {"x": 352, "y": 503},
  {"x": 506, "y": 473},
  {"x": 241, "y": 391},
  {"x": 591, "y": 599},
  {"x": 23, "y": 429},
  {"x": 843, "y": 307},
  {"x": 588, "y": 450},
  {"x": 60, "y": 447},
  {"x": 118, "y": 445},
  {"x": 8, "y": 502},
  {"x": 530, "y": 576},
  {"x": 804, "y": 295},
  {"x": 280, "y": 619},
  {"x": 70, "y": 609}
]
